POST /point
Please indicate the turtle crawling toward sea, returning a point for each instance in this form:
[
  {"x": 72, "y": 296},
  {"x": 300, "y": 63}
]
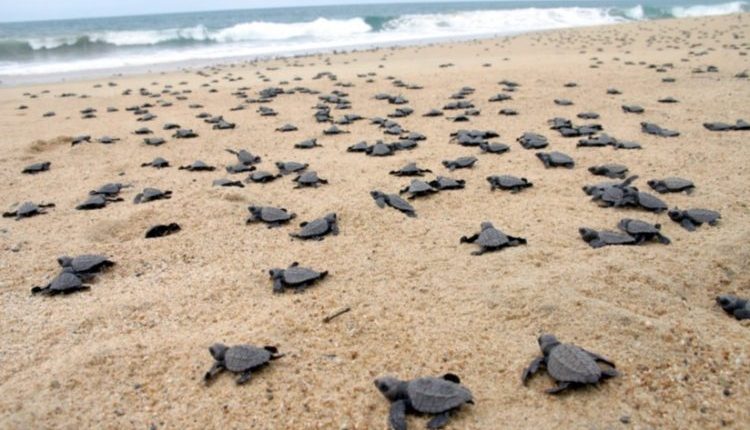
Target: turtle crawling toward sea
[
  {"x": 445, "y": 183},
  {"x": 597, "y": 239},
  {"x": 27, "y": 210},
  {"x": 198, "y": 166},
  {"x": 555, "y": 159},
  {"x": 85, "y": 266},
  {"x": 428, "y": 395},
  {"x": 418, "y": 188},
  {"x": 508, "y": 182},
  {"x": 64, "y": 283},
  {"x": 394, "y": 201},
  {"x": 319, "y": 228},
  {"x": 692, "y": 218},
  {"x": 642, "y": 231},
  {"x": 610, "y": 170},
  {"x": 460, "y": 163},
  {"x": 242, "y": 359},
  {"x": 150, "y": 194},
  {"x": 294, "y": 276},
  {"x": 671, "y": 185},
  {"x": 309, "y": 179},
  {"x": 491, "y": 239},
  {"x": 35, "y": 168},
  {"x": 568, "y": 364},
  {"x": 733, "y": 305},
  {"x": 274, "y": 217},
  {"x": 410, "y": 169}
]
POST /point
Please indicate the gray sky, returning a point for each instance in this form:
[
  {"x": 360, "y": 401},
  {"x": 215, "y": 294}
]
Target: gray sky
[{"x": 28, "y": 10}]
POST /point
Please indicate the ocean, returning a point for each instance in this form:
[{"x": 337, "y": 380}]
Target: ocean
[{"x": 53, "y": 49}]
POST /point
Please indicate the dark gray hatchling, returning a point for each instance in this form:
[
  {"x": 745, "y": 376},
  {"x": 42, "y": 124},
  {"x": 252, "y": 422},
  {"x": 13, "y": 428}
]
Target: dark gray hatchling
[
  {"x": 154, "y": 141},
  {"x": 224, "y": 182},
  {"x": 242, "y": 359},
  {"x": 460, "y": 163},
  {"x": 690, "y": 219},
  {"x": 151, "y": 194},
  {"x": 440, "y": 397},
  {"x": 184, "y": 133},
  {"x": 287, "y": 167},
  {"x": 286, "y": 128},
  {"x": 111, "y": 189},
  {"x": 240, "y": 168},
  {"x": 598, "y": 239},
  {"x": 198, "y": 166},
  {"x": 308, "y": 144},
  {"x": 295, "y": 277},
  {"x": 610, "y": 170},
  {"x": 64, "y": 283},
  {"x": 672, "y": 185},
  {"x": 555, "y": 159},
  {"x": 532, "y": 141},
  {"x": 309, "y": 179},
  {"x": 274, "y": 217},
  {"x": 568, "y": 364},
  {"x": 85, "y": 266},
  {"x": 418, "y": 188},
  {"x": 733, "y": 305},
  {"x": 380, "y": 149},
  {"x": 508, "y": 182},
  {"x": 35, "y": 168},
  {"x": 319, "y": 228},
  {"x": 444, "y": 183},
  {"x": 262, "y": 176},
  {"x": 642, "y": 231},
  {"x": 27, "y": 210},
  {"x": 96, "y": 201},
  {"x": 158, "y": 163},
  {"x": 410, "y": 169},
  {"x": 491, "y": 239},
  {"x": 244, "y": 156},
  {"x": 394, "y": 201},
  {"x": 494, "y": 148}
]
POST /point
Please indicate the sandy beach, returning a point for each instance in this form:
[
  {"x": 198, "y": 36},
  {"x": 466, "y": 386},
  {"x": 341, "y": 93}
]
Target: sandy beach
[{"x": 132, "y": 351}]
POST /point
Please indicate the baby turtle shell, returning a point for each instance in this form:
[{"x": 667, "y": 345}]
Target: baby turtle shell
[
  {"x": 426, "y": 395},
  {"x": 27, "y": 210},
  {"x": 555, "y": 159},
  {"x": 671, "y": 185},
  {"x": 533, "y": 141},
  {"x": 198, "y": 166},
  {"x": 288, "y": 167},
  {"x": 692, "y": 218},
  {"x": 733, "y": 305},
  {"x": 598, "y": 239},
  {"x": 242, "y": 359},
  {"x": 262, "y": 176},
  {"x": 491, "y": 239},
  {"x": 86, "y": 265},
  {"x": 508, "y": 182},
  {"x": 460, "y": 163},
  {"x": 568, "y": 364},
  {"x": 36, "y": 168},
  {"x": 244, "y": 156},
  {"x": 394, "y": 201},
  {"x": 295, "y": 277},
  {"x": 274, "y": 217},
  {"x": 307, "y": 144},
  {"x": 410, "y": 169},
  {"x": 642, "y": 231},
  {"x": 309, "y": 179},
  {"x": 445, "y": 183},
  {"x": 319, "y": 228},
  {"x": 150, "y": 194},
  {"x": 651, "y": 128},
  {"x": 610, "y": 170},
  {"x": 161, "y": 230},
  {"x": 418, "y": 188},
  {"x": 64, "y": 283}
]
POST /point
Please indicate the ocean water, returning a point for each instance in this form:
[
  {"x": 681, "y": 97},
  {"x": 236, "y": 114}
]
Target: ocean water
[{"x": 104, "y": 45}]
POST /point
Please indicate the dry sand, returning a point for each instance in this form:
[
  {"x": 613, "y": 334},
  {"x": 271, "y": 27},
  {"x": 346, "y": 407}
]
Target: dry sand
[{"x": 131, "y": 352}]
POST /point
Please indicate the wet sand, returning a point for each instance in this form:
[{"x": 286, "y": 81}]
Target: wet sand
[{"x": 132, "y": 351}]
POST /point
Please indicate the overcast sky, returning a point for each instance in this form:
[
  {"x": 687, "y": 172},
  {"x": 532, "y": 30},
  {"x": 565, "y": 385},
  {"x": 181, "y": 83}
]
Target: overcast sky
[{"x": 28, "y": 10}]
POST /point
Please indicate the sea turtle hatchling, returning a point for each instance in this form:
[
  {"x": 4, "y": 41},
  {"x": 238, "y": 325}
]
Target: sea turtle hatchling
[
  {"x": 294, "y": 276},
  {"x": 410, "y": 169},
  {"x": 224, "y": 182},
  {"x": 35, "y": 168},
  {"x": 272, "y": 216},
  {"x": 309, "y": 179},
  {"x": 287, "y": 167},
  {"x": 97, "y": 201},
  {"x": 460, "y": 163},
  {"x": 27, "y": 210},
  {"x": 491, "y": 239},
  {"x": 642, "y": 231},
  {"x": 150, "y": 194},
  {"x": 286, "y": 128},
  {"x": 597, "y": 239},
  {"x": 240, "y": 168},
  {"x": 262, "y": 177},
  {"x": 85, "y": 266},
  {"x": 494, "y": 148},
  {"x": 161, "y": 230},
  {"x": 427, "y": 395},
  {"x": 610, "y": 170},
  {"x": 532, "y": 141},
  {"x": 418, "y": 188},
  {"x": 64, "y": 283},
  {"x": 242, "y": 359},
  {"x": 733, "y": 305},
  {"x": 444, "y": 183},
  {"x": 671, "y": 185},
  {"x": 158, "y": 163},
  {"x": 198, "y": 166},
  {"x": 690, "y": 219},
  {"x": 654, "y": 129},
  {"x": 394, "y": 201},
  {"x": 308, "y": 144},
  {"x": 568, "y": 364},
  {"x": 111, "y": 189},
  {"x": 154, "y": 141},
  {"x": 184, "y": 133},
  {"x": 508, "y": 182},
  {"x": 319, "y": 228},
  {"x": 244, "y": 156},
  {"x": 555, "y": 159}
]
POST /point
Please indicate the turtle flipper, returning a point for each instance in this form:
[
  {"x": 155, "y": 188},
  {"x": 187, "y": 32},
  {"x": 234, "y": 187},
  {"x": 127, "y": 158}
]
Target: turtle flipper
[
  {"x": 278, "y": 286},
  {"x": 559, "y": 388},
  {"x": 687, "y": 224},
  {"x": 397, "y": 415},
  {"x": 599, "y": 358},
  {"x": 610, "y": 373},
  {"x": 532, "y": 369},
  {"x": 380, "y": 202},
  {"x": 217, "y": 368},
  {"x": 335, "y": 229},
  {"x": 244, "y": 377},
  {"x": 469, "y": 239},
  {"x": 439, "y": 421},
  {"x": 663, "y": 239}
]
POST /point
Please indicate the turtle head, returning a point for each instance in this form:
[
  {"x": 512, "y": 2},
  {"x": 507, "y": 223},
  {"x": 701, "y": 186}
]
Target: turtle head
[
  {"x": 276, "y": 273},
  {"x": 727, "y": 302},
  {"x": 65, "y": 261},
  {"x": 547, "y": 342},
  {"x": 588, "y": 234},
  {"x": 392, "y": 388},
  {"x": 217, "y": 351},
  {"x": 331, "y": 217},
  {"x": 486, "y": 225},
  {"x": 254, "y": 209},
  {"x": 675, "y": 214}
]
